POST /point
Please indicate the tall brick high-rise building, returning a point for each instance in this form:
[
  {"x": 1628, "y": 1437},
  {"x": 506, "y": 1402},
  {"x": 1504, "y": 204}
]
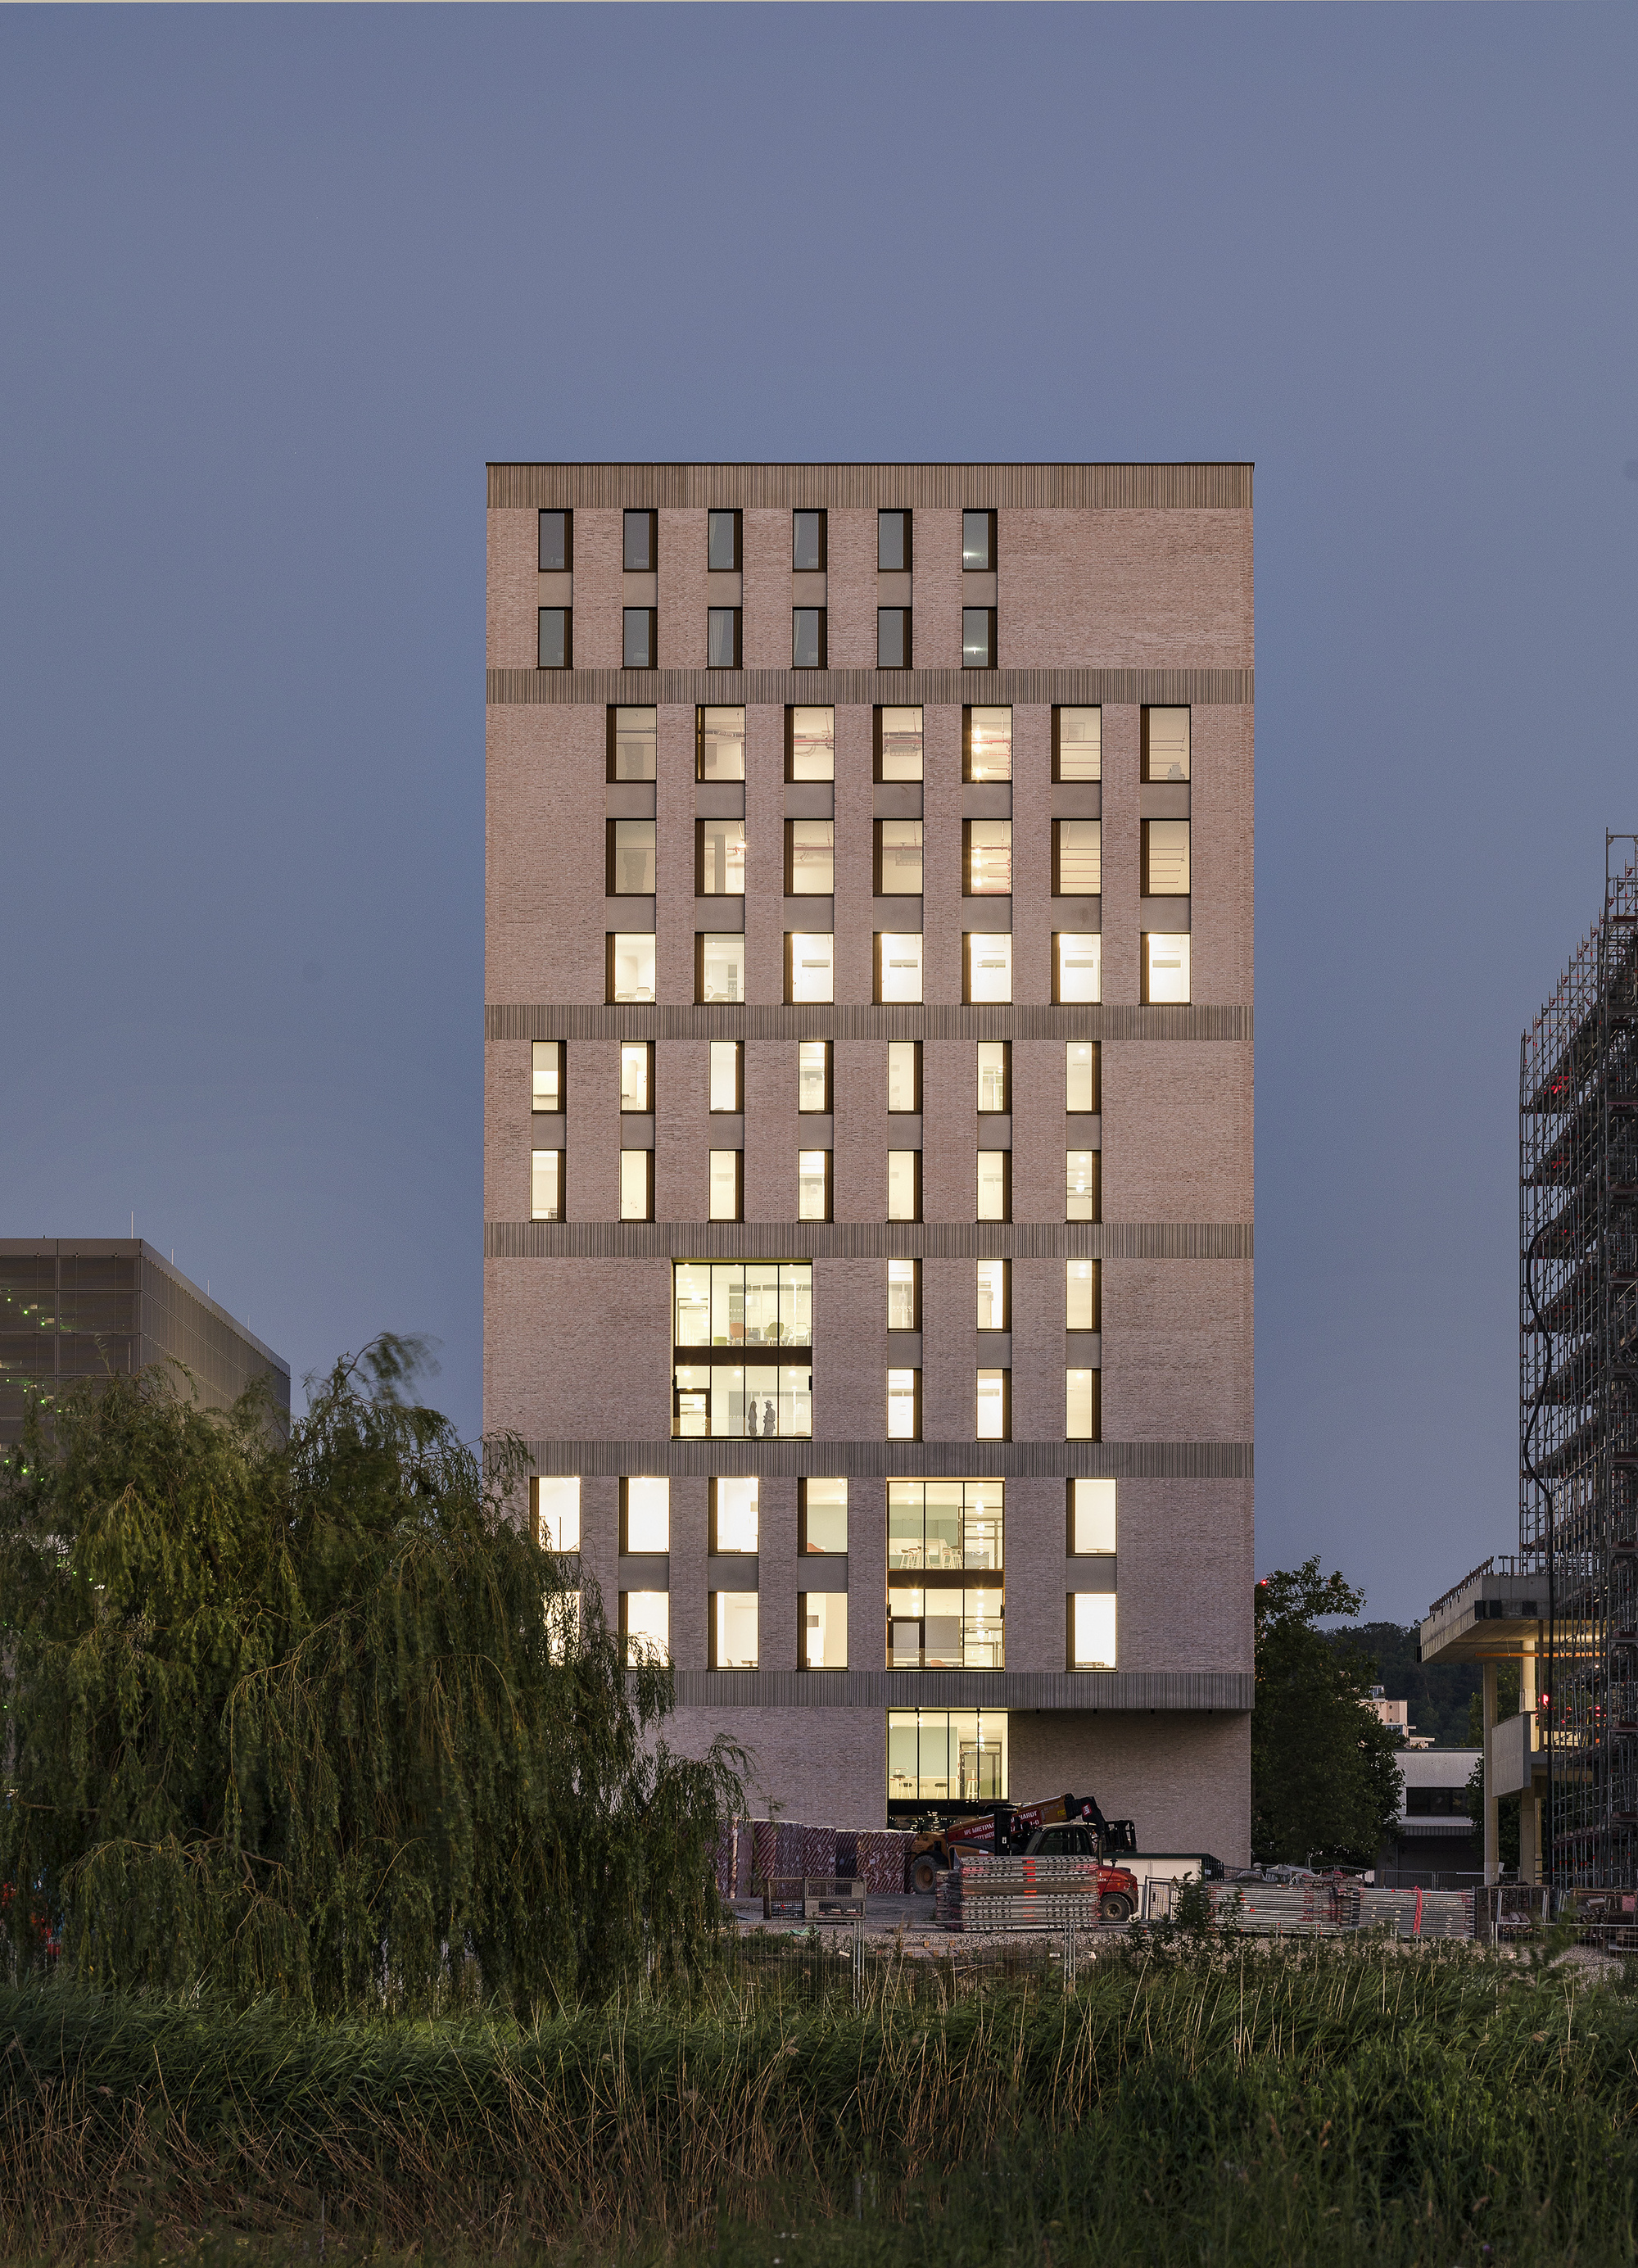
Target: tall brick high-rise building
[{"x": 868, "y": 1109}]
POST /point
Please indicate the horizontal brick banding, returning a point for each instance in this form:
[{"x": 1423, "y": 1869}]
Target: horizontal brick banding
[
  {"x": 682, "y": 487},
  {"x": 1187, "y": 1460},
  {"x": 929, "y": 688},
  {"x": 955, "y": 1689},
  {"x": 867, "y": 1240},
  {"x": 520, "y": 1020}
]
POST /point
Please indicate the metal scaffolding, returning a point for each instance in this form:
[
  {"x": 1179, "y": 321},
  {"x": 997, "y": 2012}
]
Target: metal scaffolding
[{"x": 1578, "y": 1385}]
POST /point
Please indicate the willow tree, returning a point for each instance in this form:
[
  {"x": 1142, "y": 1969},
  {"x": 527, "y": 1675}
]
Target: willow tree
[{"x": 297, "y": 1715}]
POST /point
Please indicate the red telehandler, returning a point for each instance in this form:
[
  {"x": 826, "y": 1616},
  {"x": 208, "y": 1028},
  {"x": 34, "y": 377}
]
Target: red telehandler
[{"x": 1064, "y": 1826}]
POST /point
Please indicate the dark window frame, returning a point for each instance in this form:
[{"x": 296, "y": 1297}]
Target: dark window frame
[
  {"x": 791, "y": 857},
  {"x": 1005, "y": 1110},
  {"x": 736, "y": 517},
  {"x": 700, "y": 936},
  {"x": 625, "y": 1509},
  {"x": 699, "y": 741},
  {"x": 713, "y": 619},
  {"x": 890, "y": 897},
  {"x": 915, "y": 1111},
  {"x": 649, "y": 1112},
  {"x": 1005, "y": 1368},
  {"x": 990, "y": 533},
  {"x": 1096, "y": 1047},
  {"x": 561, "y": 1157},
  {"x": 651, "y": 617},
  {"x": 791, "y": 708},
  {"x": 567, "y": 615},
  {"x": 566, "y": 565},
  {"x": 647, "y": 1211},
  {"x": 821, "y": 566},
  {"x": 713, "y": 1548},
  {"x": 1058, "y": 709},
  {"x": 738, "y": 1158},
  {"x": 907, "y": 648},
  {"x": 967, "y": 825},
  {"x": 610, "y": 826},
  {"x": 1005, "y": 1266},
  {"x": 915, "y": 1415},
  {"x": 1144, "y": 889},
  {"x": 906, "y": 518},
  {"x": 829, "y": 1156},
  {"x": 916, "y": 1173},
  {"x": 651, "y": 560},
  {"x": 1096, "y": 1377},
  {"x": 1058, "y": 890},
  {"x": 916, "y": 1296},
  {"x": 1098, "y": 1186},
  {"x": 967, "y": 707},
  {"x": 728, "y": 897},
  {"x": 1006, "y": 1184},
  {"x": 738, "y": 1102},
  {"x": 829, "y": 1105},
  {"x": 1142, "y": 771},
  {"x": 550, "y": 1109},
  {"x": 802, "y": 1522},
  {"x": 876, "y": 742},
  {"x": 822, "y": 640},
  {"x": 613, "y": 708},
  {"x": 991, "y": 647}
]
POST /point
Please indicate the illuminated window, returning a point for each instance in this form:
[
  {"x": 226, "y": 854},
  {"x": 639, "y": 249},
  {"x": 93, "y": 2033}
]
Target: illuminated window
[
  {"x": 726, "y": 1197},
  {"x": 994, "y": 1395},
  {"x": 546, "y": 1185},
  {"x": 987, "y": 744},
  {"x": 1078, "y": 858},
  {"x": 636, "y": 1185},
  {"x": 898, "y": 965},
  {"x": 636, "y": 1080},
  {"x": 630, "y": 858},
  {"x": 633, "y": 743},
  {"x": 726, "y": 1083},
  {"x": 1166, "y": 857},
  {"x": 904, "y": 1305},
  {"x": 719, "y": 858},
  {"x": 995, "y": 1310},
  {"x": 546, "y": 1075},
  {"x": 897, "y": 744},
  {"x": 1081, "y": 1075},
  {"x": 809, "y": 966},
  {"x": 1166, "y": 966},
  {"x": 1081, "y": 1178},
  {"x": 1166, "y": 744},
  {"x": 1091, "y": 1629},
  {"x": 822, "y": 1517},
  {"x": 904, "y": 1075},
  {"x": 1078, "y": 741},
  {"x": 631, "y": 966},
  {"x": 1080, "y": 1396},
  {"x": 946, "y": 1757},
  {"x": 987, "y": 861},
  {"x": 822, "y": 1618},
  {"x": 733, "y": 1629},
  {"x": 898, "y": 857},
  {"x": 555, "y": 1512},
  {"x": 994, "y": 1185},
  {"x": 813, "y": 1184},
  {"x": 812, "y": 1075},
  {"x": 904, "y": 1405},
  {"x": 1081, "y": 1295},
  {"x": 646, "y": 1625},
  {"x": 938, "y": 1526},
  {"x": 719, "y": 744},
  {"x": 994, "y": 1075},
  {"x": 562, "y": 1625},
  {"x": 1091, "y": 1519},
  {"x": 809, "y": 744},
  {"x": 945, "y": 1626},
  {"x": 904, "y": 1185},
  {"x": 644, "y": 1516},
  {"x": 988, "y": 965},
  {"x": 719, "y": 966},
  {"x": 1078, "y": 971},
  {"x": 743, "y": 1303},
  {"x": 810, "y": 857},
  {"x": 733, "y": 1514},
  {"x": 734, "y": 1322}
]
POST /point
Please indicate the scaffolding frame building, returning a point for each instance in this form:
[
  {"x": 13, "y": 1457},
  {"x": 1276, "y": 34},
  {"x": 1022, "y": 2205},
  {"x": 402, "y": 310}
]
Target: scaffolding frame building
[{"x": 1578, "y": 1388}]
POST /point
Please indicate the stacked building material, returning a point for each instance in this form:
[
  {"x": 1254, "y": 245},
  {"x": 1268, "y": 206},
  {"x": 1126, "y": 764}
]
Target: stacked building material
[
  {"x": 750, "y": 1853},
  {"x": 1019, "y": 1893}
]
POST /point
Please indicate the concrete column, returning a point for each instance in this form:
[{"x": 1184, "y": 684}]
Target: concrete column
[
  {"x": 1528, "y": 1803},
  {"x": 1492, "y": 1869}
]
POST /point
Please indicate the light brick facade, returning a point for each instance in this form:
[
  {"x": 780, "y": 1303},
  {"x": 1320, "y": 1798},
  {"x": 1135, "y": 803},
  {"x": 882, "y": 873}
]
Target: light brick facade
[{"x": 1114, "y": 587}]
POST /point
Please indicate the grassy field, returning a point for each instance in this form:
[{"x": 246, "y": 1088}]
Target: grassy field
[{"x": 1338, "y": 2105}]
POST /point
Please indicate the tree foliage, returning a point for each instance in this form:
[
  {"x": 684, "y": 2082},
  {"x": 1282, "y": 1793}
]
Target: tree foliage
[
  {"x": 1323, "y": 1775},
  {"x": 308, "y": 1717}
]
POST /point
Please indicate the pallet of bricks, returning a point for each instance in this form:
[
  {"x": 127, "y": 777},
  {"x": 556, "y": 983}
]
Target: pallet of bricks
[{"x": 1018, "y": 1893}]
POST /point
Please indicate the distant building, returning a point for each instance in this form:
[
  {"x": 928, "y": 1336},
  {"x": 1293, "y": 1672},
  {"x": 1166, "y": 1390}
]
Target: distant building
[
  {"x": 77, "y": 1309},
  {"x": 1433, "y": 1834},
  {"x": 1394, "y": 1714}
]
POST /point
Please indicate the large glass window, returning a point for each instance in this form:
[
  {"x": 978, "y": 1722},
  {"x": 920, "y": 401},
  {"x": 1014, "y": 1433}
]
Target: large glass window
[
  {"x": 1078, "y": 858},
  {"x": 892, "y": 542},
  {"x": 631, "y": 965},
  {"x": 644, "y": 1515},
  {"x": 904, "y": 1075},
  {"x": 1081, "y": 1074},
  {"x": 1091, "y": 1519},
  {"x": 719, "y": 744},
  {"x": 946, "y": 1755},
  {"x": 945, "y": 1626},
  {"x": 1166, "y": 857},
  {"x": 1166, "y": 966},
  {"x": 557, "y": 543},
  {"x": 630, "y": 858},
  {"x": 989, "y": 965},
  {"x": 810, "y": 857},
  {"x": 823, "y": 1618},
  {"x": 1077, "y": 743},
  {"x": 719, "y": 853},
  {"x": 811, "y": 965},
  {"x": 995, "y": 1081},
  {"x": 1166, "y": 744},
  {"x": 822, "y": 1517},
  {"x": 937, "y": 1526},
  {"x": 1078, "y": 966},
  {"x": 988, "y": 735},
  {"x": 903, "y": 1307},
  {"x": 555, "y": 1512},
  {"x": 1091, "y": 1629},
  {"x": 898, "y": 965},
  {"x": 733, "y": 1629},
  {"x": 734, "y": 1513},
  {"x": 1081, "y": 1295},
  {"x": 546, "y": 1185},
  {"x": 633, "y": 743},
  {"x": 811, "y": 746},
  {"x": 720, "y": 966},
  {"x": 546, "y": 1075},
  {"x": 898, "y": 857},
  {"x": 738, "y": 1303},
  {"x": 727, "y": 1088},
  {"x": 646, "y": 1625},
  {"x": 744, "y": 1401},
  {"x": 988, "y": 857},
  {"x": 897, "y": 744}
]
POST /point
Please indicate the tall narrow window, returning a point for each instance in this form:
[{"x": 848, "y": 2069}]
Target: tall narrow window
[
  {"x": 904, "y": 1185},
  {"x": 726, "y": 1075},
  {"x": 719, "y": 968},
  {"x": 1091, "y": 1519},
  {"x": 904, "y": 1075},
  {"x": 641, "y": 540},
  {"x": 638, "y": 634},
  {"x": 994, "y": 1075},
  {"x": 904, "y": 1405},
  {"x": 636, "y": 1185},
  {"x": 994, "y": 1405},
  {"x": 546, "y": 1185},
  {"x": 978, "y": 638},
  {"x": 898, "y": 965},
  {"x": 722, "y": 638},
  {"x": 807, "y": 542},
  {"x": 904, "y": 1302},
  {"x": 807, "y": 637},
  {"x": 636, "y": 1075},
  {"x": 995, "y": 1305},
  {"x": 1077, "y": 743},
  {"x": 809, "y": 744},
  {"x": 893, "y": 637},
  {"x": 1080, "y": 1389},
  {"x": 1078, "y": 858},
  {"x": 1082, "y": 1177},
  {"x": 988, "y": 971},
  {"x": 1080, "y": 1295},
  {"x": 719, "y": 744},
  {"x": 557, "y": 646},
  {"x": 897, "y": 744},
  {"x": 978, "y": 542},
  {"x": 822, "y": 1620},
  {"x": 1165, "y": 964},
  {"x": 812, "y": 1075},
  {"x": 546, "y": 1075},
  {"x": 722, "y": 542},
  {"x": 1081, "y": 1069},
  {"x": 813, "y": 1184},
  {"x": 726, "y": 1185},
  {"x": 1166, "y": 857},
  {"x": 994, "y": 1185},
  {"x": 1091, "y": 1629},
  {"x": 809, "y": 966},
  {"x": 810, "y": 857},
  {"x": 633, "y": 738},
  {"x": 630, "y": 858},
  {"x": 986, "y": 738},
  {"x": 557, "y": 543},
  {"x": 1166, "y": 744},
  {"x": 631, "y": 966},
  {"x": 892, "y": 542},
  {"x": 719, "y": 858},
  {"x": 1077, "y": 966}
]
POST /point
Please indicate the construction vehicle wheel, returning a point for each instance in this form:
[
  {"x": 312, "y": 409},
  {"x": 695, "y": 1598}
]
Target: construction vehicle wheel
[
  {"x": 1115, "y": 1907},
  {"x": 922, "y": 1871}
]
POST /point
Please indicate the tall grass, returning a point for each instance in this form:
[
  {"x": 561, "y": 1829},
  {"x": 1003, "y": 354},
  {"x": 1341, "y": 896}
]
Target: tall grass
[{"x": 1337, "y": 2104}]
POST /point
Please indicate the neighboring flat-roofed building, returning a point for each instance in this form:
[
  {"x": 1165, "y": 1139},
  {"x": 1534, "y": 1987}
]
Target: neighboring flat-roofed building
[
  {"x": 1434, "y": 1839},
  {"x": 77, "y": 1309},
  {"x": 869, "y": 1110}
]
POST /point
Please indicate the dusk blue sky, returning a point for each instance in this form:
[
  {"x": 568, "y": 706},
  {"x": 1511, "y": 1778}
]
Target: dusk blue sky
[{"x": 277, "y": 282}]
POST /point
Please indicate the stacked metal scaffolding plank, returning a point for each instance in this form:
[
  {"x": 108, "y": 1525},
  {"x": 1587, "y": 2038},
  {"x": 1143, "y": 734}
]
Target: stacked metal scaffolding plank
[{"x": 1578, "y": 1384}]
